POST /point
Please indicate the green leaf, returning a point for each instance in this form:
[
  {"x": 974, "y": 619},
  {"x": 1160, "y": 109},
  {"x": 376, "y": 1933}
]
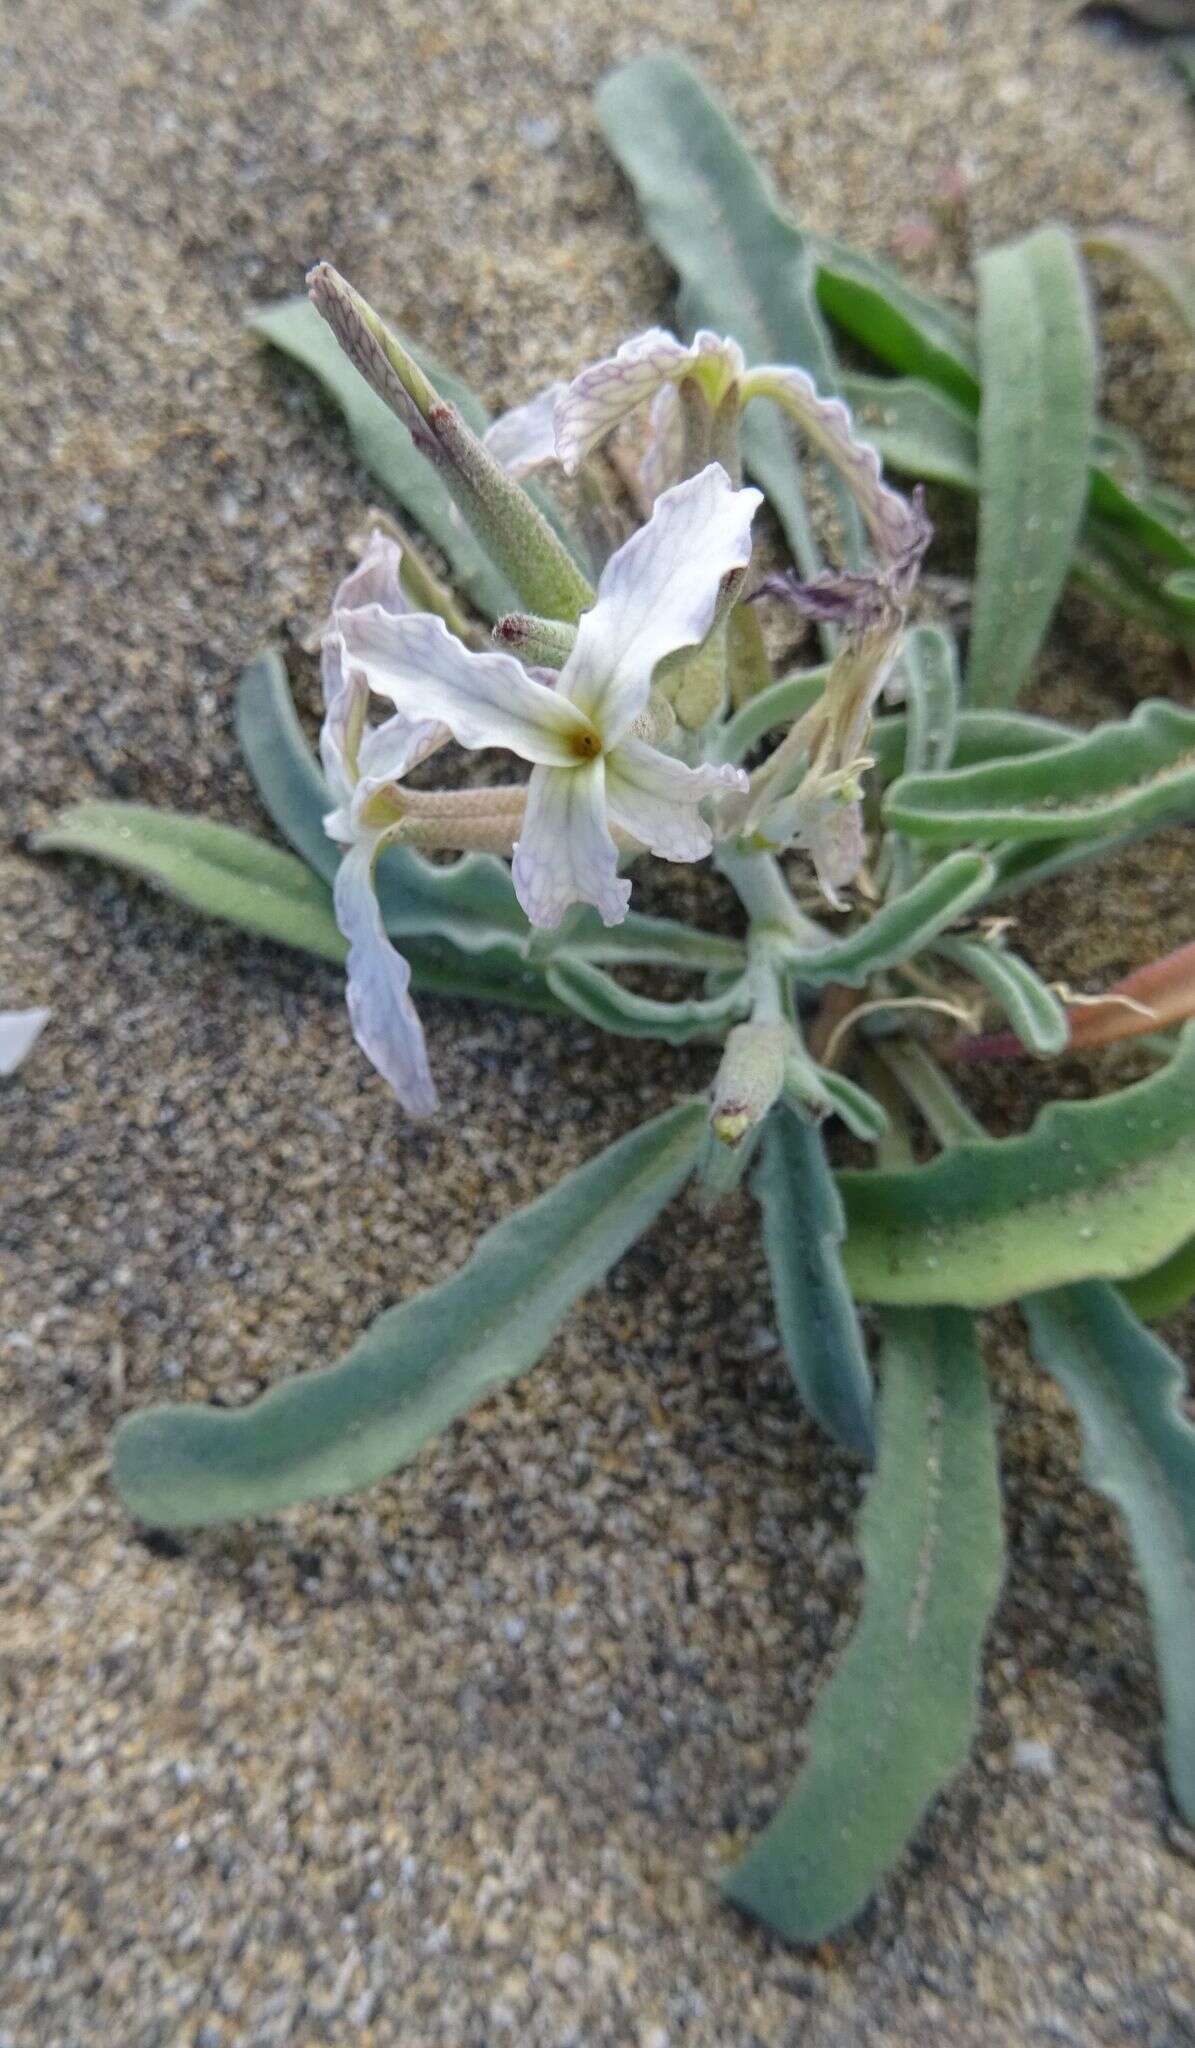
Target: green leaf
[
  {"x": 1121, "y": 776},
  {"x": 978, "y": 736},
  {"x": 226, "y": 873},
  {"x": 1036, "y": 420},
  {"x": 745, "y": 269},
  {"x": 421, "y": 1364},
  {"x": 1166, "y": 1289},
  {"x": 782, "y": 703},
  {"x": 210, "y": 867},
  {"x": 929, "y": 667},
  {"x": 385, "y": 447},
  {"x": 860, "y": 1112},
  {"x": 285, "y": 772},
  {"x": 803, "y": 1228},
  {"x": 1033, "y": 1010},
  {"x": 1094, "y": 1190},
  {"x": 1127, "y": 1387},
  {"x": 902, "y": 927},
  {"x": 916, "y": 429},
  {"x": 896, "y": 1720},
  {"x": 916, "y": 334},
  {"x": 597, "y": 997}
]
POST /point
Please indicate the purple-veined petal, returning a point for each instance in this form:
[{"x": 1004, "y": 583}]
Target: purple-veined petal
[
  {"x": 524, "y": 439},
  {"x": 657, "y": 594},
  {"x": 485, "y": 700},
  {"x": 665, "y": 449},
  {"x": 655, "y": 799},
  {"x": 340, "y": 741},
  {"x": 604, "y": 393},
  {"x": 376, "y": 579},
  {"x": 19, "y": 1033},
  {"x": 899, "y": 529},
  {"x": 384, "y": 1019},
  {"x": 565, "y": 853}
]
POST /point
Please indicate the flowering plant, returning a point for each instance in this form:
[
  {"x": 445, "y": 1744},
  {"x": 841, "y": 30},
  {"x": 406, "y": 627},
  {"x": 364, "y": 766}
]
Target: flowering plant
[{"x": 874, "y": 818}]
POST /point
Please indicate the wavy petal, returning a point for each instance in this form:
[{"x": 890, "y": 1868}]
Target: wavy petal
[
  {"x": 899, "y": 528},
  {"x": 485, "y": 700},
  {"x": 384, "y": 1019},
  {"x": 657, "y": 594},
  {"x": 665, "y": 449},
  {"x": 376, "y": 579},
  {"x": 604, "y": 393},
  {"x": 524, "y": 439},
  {"x": 566, "y": 854},
  {"x": 655, "y": 799}
]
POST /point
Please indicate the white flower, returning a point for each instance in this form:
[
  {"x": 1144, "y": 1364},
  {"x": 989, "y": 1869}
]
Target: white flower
[
  {"x": 659, "y": 593},
  {"x": 360, "y": 762},
  {"x": 569, "y": 421}
]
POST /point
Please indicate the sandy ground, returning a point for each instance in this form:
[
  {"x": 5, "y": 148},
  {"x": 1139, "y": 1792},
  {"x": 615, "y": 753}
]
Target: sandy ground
[{"x": 453, "y": 1764}]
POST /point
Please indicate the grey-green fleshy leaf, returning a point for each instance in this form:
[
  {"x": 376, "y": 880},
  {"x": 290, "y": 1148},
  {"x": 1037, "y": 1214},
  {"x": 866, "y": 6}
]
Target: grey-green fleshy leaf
[
  {"x": 916, "y": 429},
  {"x": 929, "y": 669},
  {"x": 745, "y": 269},
  {"x": 782, "y": 703},
  {"x": 421, "y": 1364},
  {"x": 599, "y": 999},
  {"x": 1034, "y": 1011},
  {"x": 210, "y": 867},
  {"x": 803, "y": 1228},
  {"x": 860, "y": 1112},
  {"x": 1121, "y": 776},
  {"x": 1093, "y": 1190},
  {"x": 386, "y": 449},
  {"x": 226, "y": 873},
  {"x": 1127, "y": 1387},
  {"x": 901, "y": 927},
  {"x": 895, "y": 1721},
  {"x": 1036, "y": 421},
  {"x": 472, "y": 902},
  {"x": 978, "y": 736}
]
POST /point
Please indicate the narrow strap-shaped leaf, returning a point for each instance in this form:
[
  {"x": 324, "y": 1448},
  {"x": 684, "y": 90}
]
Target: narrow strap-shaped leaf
[
  {"x": 902, "y": 927},
  {"x": 1094, "y": 1190},
  {"x": 782, "y": 703},
  {"x": 226, "y": 873},
  {"x": 420, "y": 1365},
  {"x": 1034, "y": 1011},
  {"x": 285, "y": 772},
  {"x": 1166, "y": 1289},
  {"x": 922, "y": 336},
  {"x": 601, "y": 1000},
  {"x": 1122, "y": 776},
  {"x": 929, "y": 667},
  {"x": 978, "y": 736},
  {"x": 385, "y": 447},
  {"x": 214, "y": 868},
  {"x": 745, "y": 269},
  {"x": 1036, "y": 420},
  {"x": 859, "y": 1110},
  {"x": 896, "y": 1720},
  {"x": 916, "y": 429},
  {"x": 803, "y": 1229},
  {"x": 1126, "y": 1387}
]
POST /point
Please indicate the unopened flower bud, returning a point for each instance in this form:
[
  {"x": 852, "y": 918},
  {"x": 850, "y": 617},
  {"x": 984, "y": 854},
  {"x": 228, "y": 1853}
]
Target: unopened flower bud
[
  {"x": 750, "y": 1079},
  {"x": 545, "y": 642},
  {"x": 509, "y": 525}
]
